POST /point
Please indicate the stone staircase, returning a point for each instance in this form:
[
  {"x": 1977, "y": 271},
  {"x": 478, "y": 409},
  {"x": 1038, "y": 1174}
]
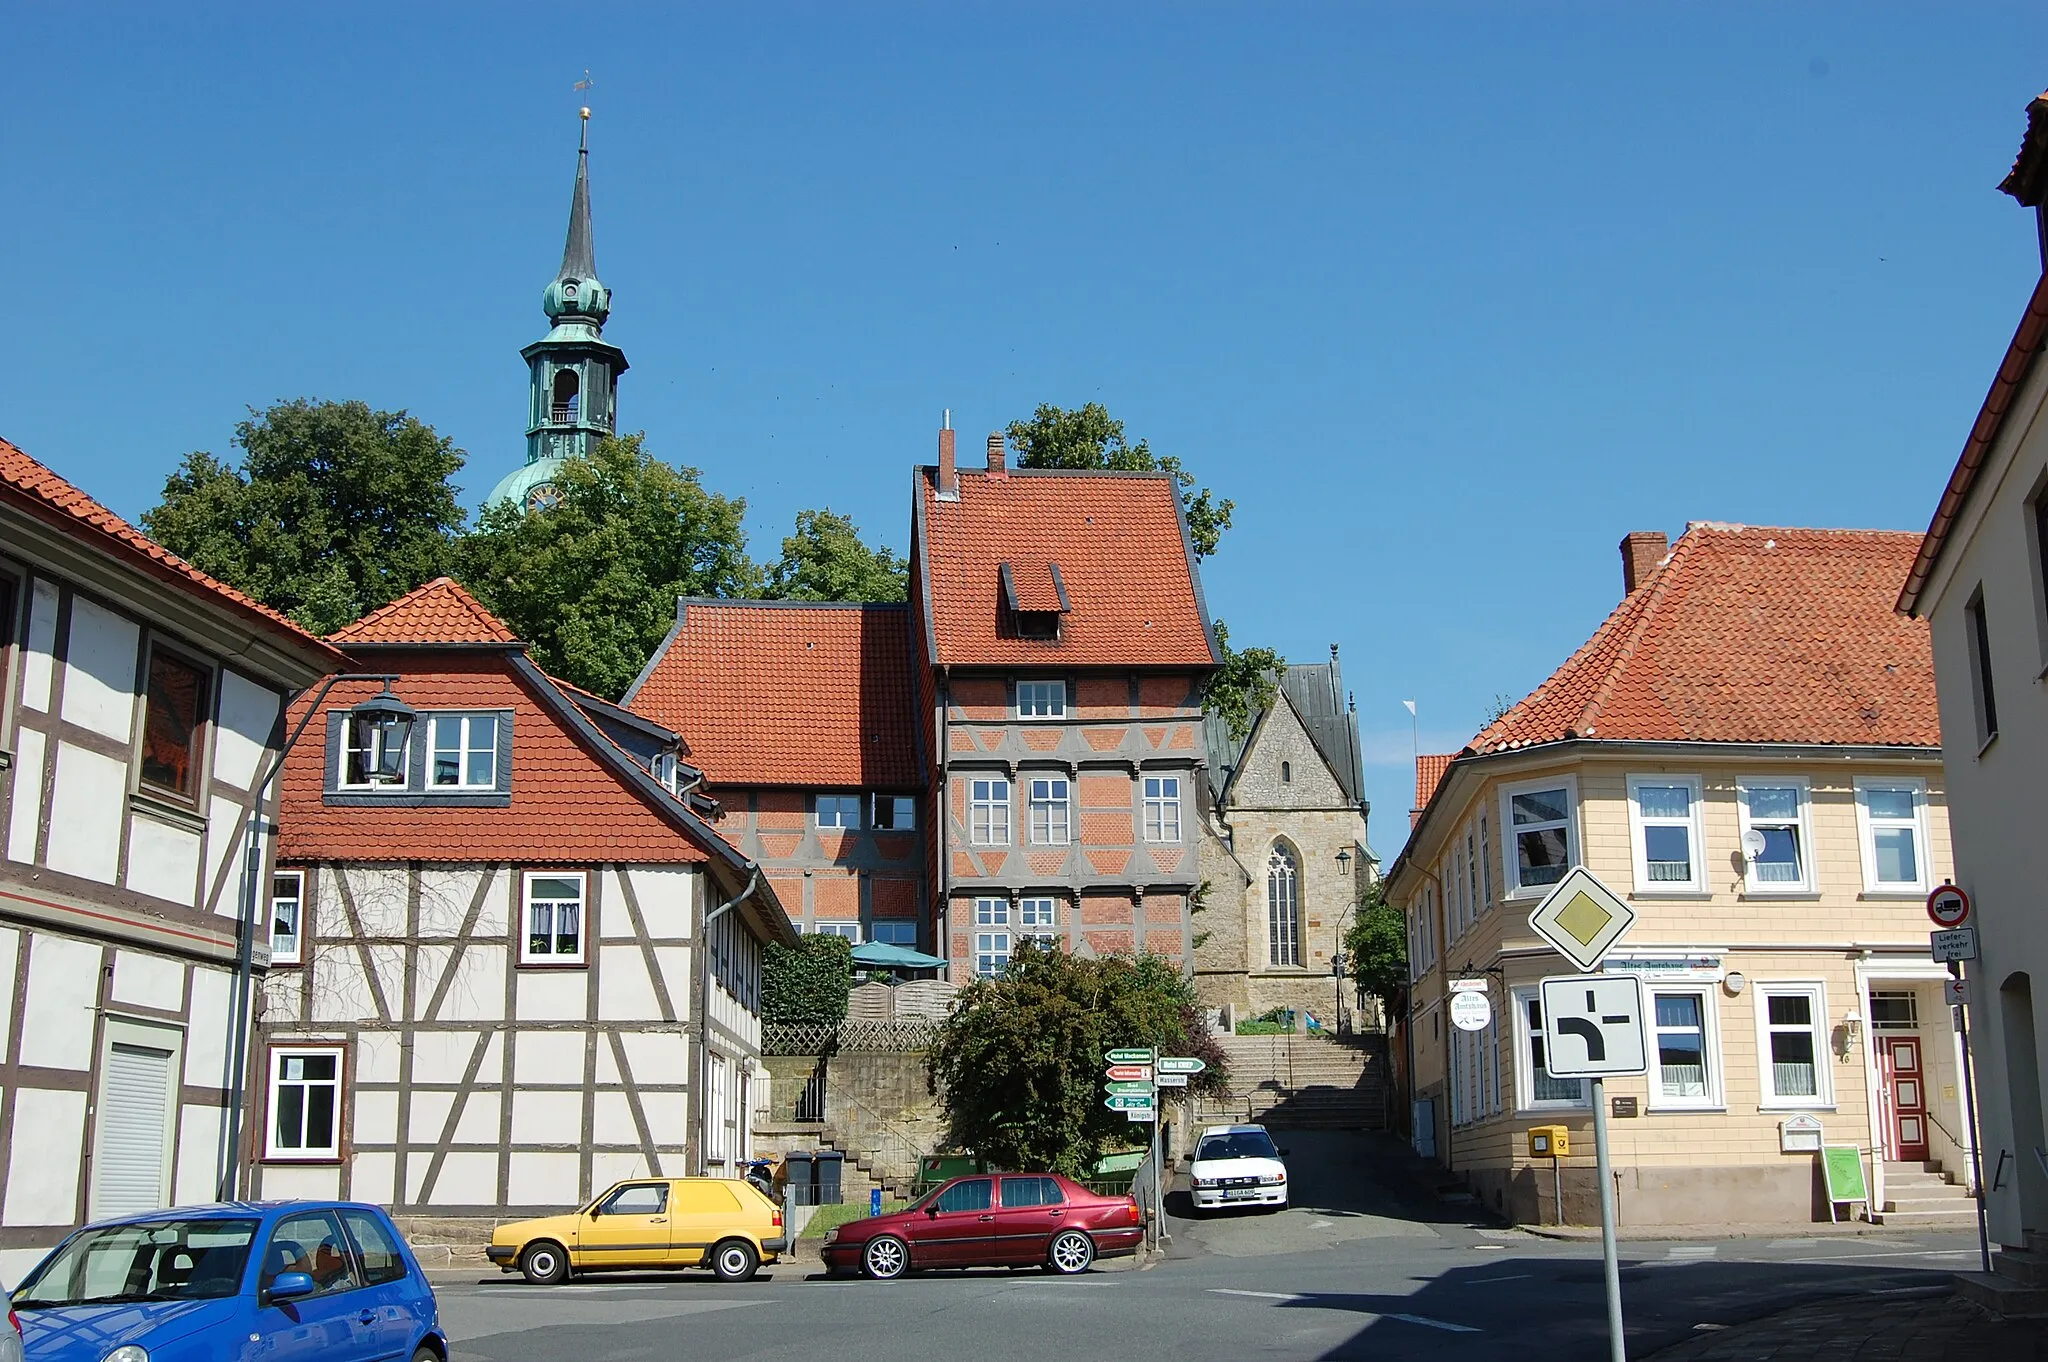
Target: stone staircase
[
  {"x": 1920, "y": 1196},
  {"x": 2017, "y": 1285},
  {"x": 1307, "y": 1082}
]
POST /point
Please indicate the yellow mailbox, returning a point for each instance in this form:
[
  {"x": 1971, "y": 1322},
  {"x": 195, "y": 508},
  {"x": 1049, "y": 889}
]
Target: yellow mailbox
[{"x": 1549, "y": 1142}]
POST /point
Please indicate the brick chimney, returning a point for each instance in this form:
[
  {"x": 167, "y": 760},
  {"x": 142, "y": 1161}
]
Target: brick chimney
[
  {"x": 949, "y": 473},
  {"x": 1641, "y": 550},
  {"x": 995, "y": 455}
]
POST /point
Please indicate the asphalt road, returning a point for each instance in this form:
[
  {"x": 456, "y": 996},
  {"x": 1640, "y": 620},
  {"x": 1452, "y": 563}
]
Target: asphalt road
[{"x": 1360, "y": 1268}]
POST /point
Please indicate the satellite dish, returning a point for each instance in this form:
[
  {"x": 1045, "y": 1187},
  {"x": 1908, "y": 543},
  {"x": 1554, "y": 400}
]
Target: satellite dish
[{"x": 1752, "y": 844}]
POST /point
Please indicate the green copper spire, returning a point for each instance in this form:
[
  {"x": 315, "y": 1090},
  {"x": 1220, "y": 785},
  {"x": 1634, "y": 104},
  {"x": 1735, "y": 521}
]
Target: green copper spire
[{"x": 574, "y": 370}]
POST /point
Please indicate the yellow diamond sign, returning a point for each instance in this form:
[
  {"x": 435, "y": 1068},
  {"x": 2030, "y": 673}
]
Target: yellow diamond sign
[{"x": 1582, "y": 918}]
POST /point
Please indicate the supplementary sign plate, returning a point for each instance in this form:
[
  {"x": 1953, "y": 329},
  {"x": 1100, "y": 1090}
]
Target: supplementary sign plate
[
  {"x": 1180, "y": 1064},
  {"x": 1957, "y": 943},
  {"x": 1470, "y": 1011},
  {"x": 1593, "y": 1026},
  {"x": 1173, "y": 1080},
  {"x": 1139, "y": 1114},
  {"x": 1582, "y": 918},
  {"x": 1956, "y": 993},
  {"x": 1948, "y": 906}
]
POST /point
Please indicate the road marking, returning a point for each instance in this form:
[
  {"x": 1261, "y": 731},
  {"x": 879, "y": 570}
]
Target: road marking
[
  {"x": 1424, "y": 1320},
  {"x": 1691, "y": 1252},
  {"x": 1909, "y": 1253},
  {"x": 1320, "y": 1224}
]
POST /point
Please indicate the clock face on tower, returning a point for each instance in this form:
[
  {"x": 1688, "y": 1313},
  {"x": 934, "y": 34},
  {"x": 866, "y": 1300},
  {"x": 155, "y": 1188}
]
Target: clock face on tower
[{"x": 541, "y": 497}]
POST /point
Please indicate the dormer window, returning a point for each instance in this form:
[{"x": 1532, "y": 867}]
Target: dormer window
[
  {"x": 446, "y": 757},
  {"x": 1034, "y": 597}
]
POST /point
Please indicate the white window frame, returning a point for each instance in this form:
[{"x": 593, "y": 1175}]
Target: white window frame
[
  {"x": 991, "y": 946},
  {"x": 1039, "y": 701},
  {"x": 1694, "y": 823},
  {"x": 1714, "y": 1098},
  {"x": 272, "y": 1150},
  {"x": 1058, "y": 808},
  {"x": 1162, "y": 809},
  {"x": 1807, "y": 882},
  {"x": 527, "y": 955},
  {"x": 1038, "y": 920},
  {"x": 1823, "y": 1097},
  {"x": 374, "y": 757},
  {"x": 842, "y": 806},
  {"x": 985, "y": 809},
  {"x": 1511, "y": 880},
  {"x": 663, "y": 767},
  {"x": 297, "y": 953},
  {"x": 849, "y": 930},
  {"x": 905, "y": 805},
  {"x": 1868, "y": 825},
  {"x": 464, "y": 748},
  {"x": 1525, "y": 1058}
]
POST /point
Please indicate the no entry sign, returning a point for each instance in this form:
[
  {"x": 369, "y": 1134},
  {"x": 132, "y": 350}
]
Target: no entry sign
[{"x": 1948, "y": 906}]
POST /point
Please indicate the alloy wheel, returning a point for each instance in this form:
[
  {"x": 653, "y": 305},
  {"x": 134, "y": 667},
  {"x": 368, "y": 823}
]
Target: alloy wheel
[
  {"x": 1072, "y": 1252},
  {"x": 885, "y": 1257}
]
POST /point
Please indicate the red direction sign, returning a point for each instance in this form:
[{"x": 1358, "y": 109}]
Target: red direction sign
[
  {"x": 1129, "y": 1073},
  {"x": 1948, "y": 906}
]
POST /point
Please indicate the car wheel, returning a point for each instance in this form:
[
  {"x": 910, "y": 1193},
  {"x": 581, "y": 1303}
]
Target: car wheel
[
  {"x": 1072, "y": 1251},
  {"x": 886, "y": 1257},
  {"x": 735, "y": 1261},
  {"x": 425, "y": 1354},
  {"x": 545, "y": 1264}
]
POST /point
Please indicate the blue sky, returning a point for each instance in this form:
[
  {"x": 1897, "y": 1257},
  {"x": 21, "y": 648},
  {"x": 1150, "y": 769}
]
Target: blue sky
[{"x": 1447, "y": 297}]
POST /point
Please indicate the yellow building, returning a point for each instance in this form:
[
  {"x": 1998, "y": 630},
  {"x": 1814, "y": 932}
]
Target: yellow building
[{"x": 1748, "y": 751}]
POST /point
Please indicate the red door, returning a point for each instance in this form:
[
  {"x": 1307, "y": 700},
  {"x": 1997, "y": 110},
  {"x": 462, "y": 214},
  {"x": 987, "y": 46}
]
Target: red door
[
  {"x": 1906, "y": 1086},
  {"x": 1034, "y": 1209}
]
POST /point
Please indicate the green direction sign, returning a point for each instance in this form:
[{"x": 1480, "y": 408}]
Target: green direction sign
[
  {"x": 1129, "y": 1057},
  {"x": 1128, "y": 1087},
  {"x": 1169, "y": 1064},
  {"x": 1129, "y": 1101}
]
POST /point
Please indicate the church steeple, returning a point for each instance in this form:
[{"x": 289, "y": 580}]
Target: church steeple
[{"x": 574, "y": 372}]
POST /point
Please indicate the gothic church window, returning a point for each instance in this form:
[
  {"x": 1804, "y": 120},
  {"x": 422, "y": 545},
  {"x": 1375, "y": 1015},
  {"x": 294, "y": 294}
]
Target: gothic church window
[{"x": 1283, "y": 908}]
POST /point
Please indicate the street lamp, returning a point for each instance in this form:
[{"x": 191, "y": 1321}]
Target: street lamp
[{"x": 379, "y": 727}]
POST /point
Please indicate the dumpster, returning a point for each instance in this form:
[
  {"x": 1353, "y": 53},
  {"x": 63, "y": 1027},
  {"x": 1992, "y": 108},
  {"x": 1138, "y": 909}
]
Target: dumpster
[
  {"x": 798, "y": 1178},
  {"x": 827, "y": 1167}
]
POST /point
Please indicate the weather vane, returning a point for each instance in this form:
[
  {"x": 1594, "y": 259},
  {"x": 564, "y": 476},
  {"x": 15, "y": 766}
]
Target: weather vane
[{"x": 586, "y": 84}]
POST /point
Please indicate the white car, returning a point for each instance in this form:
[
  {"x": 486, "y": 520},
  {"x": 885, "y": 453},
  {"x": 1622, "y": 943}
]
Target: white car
[{"x": 1237, "y": 1166}]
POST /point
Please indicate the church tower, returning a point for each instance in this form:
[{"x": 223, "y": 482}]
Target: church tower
[{"x": 573, "y": 390}]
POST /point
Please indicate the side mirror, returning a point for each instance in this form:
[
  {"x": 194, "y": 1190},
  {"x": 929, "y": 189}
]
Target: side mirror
[
  {"x": 1286, "y": 1153},
  {"x": 932, "y": 1211},
  {"x": 594, "y": 1212},
  {"x": 290, "y": 1286}
]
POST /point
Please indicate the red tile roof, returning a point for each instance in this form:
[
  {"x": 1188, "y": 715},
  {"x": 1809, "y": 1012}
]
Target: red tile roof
[
  {"x": 1429, "y": 773},
  {"x": 788, "y": 693},
  {"x": 1748, "y": 634},
  {"x": 1132, "y": 593},
  {"x": 439, "y": 612},
  {"x": 567, "y": 805},
  {"x": 24, "y": 480}
]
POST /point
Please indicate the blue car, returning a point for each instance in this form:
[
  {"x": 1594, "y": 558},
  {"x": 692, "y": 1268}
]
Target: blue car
[{"x": 283, "y": 1281}]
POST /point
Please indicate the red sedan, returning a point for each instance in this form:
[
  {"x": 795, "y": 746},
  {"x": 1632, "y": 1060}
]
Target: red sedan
[{"x": 991, "y": 1220}]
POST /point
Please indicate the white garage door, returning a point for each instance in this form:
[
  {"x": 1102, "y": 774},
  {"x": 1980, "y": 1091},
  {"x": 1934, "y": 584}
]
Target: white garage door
[{"x": 134, "y": 1130}]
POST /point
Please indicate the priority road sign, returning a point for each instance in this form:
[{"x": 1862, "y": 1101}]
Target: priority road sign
[
  {"x": 1129, "y": 1056},
  {"x": 1128, "y": 1101},
  {"x": 1179, "y": 1064},
  {"x": 1132, "y": 1073},
  {"x": 1593, "y": 1026},
  {"x": 1145, "y": 1088},
  {"x": 1948, "y": 906},
  {"x": 1957, "y": 943},
  {"x": 1582, "y": 917}
]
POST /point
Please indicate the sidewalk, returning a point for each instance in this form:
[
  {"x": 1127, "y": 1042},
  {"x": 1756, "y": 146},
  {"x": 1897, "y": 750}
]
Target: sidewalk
[
  {"x": 1803, "y": 1229},
  {"x": 1864, "y": 1328}
]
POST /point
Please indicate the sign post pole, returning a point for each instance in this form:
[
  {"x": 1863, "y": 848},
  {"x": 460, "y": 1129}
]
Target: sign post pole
[
  {"x": 1610, "y": 1265},
  {"x": 1962, "y": 1015}
]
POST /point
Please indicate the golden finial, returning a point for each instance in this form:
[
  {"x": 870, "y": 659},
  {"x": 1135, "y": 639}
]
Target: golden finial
[{"x": 586, "y": 113}]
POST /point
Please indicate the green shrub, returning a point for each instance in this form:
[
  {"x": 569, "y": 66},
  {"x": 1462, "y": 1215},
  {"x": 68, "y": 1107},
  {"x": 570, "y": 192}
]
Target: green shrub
[{"x": 807, "y": 982}]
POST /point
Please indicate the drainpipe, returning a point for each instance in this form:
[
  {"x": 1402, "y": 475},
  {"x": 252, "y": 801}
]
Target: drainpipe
[{"x": 701, "y": 1003}]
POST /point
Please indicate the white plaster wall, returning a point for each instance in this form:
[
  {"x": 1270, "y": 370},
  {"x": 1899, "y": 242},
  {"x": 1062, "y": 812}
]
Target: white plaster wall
[
  {"x": 478, "y": 1124},
  {"x": 494, "y": 918},
  {"x": 543, "y": 1179},
  {"x": 443, "y": 1057},
  {"x": 428, "y": 1117},
  {"x": 623, "y": 990},
  {"x": 467, "y": 1179},
  {"x": 376, "y": 1057},
  {"x": 10, "y": 950},
  {"x": 674, "y": 964},
  {"x": 148, "y": 980},
  {"x": 668, "y": 1116},
  {"x": 199, "y": 1150},
  {"x": 372, "y": 1178},
  {"x": 226, "y": 824},
  {"x": 207, "y": 1028},
  {"x": 56, "y": 1023},
  {"x": 163, "y": 861},
  {"x": 553, "y": 995},
  {"x": 48, "y": 1150},
  {"x": 612, "y": 1120},
  {"x": 657, "y": 1056},
  {"x": 312, "y": 1182},
  {"x": 39, "y": 666},
  {"x": 667, "y": 894},
  {"x": 550, "y": 1057},
  {"x": 478, "y": 993},
  {"x": 380, "y": 894},
  {"x": 85, "y": 813},
  {"x": 444, "y": 900},
  {"x": 606, "y": 1169},
  {"x": 248, "y": 712},
  {"x": 607, "y": 1066},
  {"x": 615, "y": 923},
  {"x": 341, "y": 991},
  {"x": 99, "y": 670},
  {"x": 28, "y": 803},
  {"x": 376, "y": 1117},
  {"x": 547, "y": 1118}
]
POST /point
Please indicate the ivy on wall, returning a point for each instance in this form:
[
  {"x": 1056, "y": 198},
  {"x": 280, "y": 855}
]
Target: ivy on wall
[{"x": 807, "y": 982}]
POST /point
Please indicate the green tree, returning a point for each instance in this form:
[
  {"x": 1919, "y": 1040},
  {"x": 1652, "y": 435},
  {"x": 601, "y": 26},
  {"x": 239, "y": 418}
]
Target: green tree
[
  {"x": 1376, "y": 945},
  {"x": 335, "y": 509},
  {"x": 808, "y": 982},
  {"x": 825, "y": 560},
  {"x": 1089, "y": 437},
  {"x": 590, "y": 582},
  {"x": 1019, "y": 1062},
  {"x": 1246, "y": 683}
]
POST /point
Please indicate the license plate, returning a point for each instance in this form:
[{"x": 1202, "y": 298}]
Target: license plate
[{"x": 1240, "y": 1193}]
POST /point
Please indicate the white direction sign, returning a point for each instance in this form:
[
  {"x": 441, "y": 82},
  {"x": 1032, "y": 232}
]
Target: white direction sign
[
  {"x": 1582, "y": 918},
  {"x": 1470, "y": 1010},
  {"x": 1957, "y": 994},
  {"x": 1593, "y": 1026},
  {"x": 1173, "y": 1080},
  {"x": 1957, "y": 943}
]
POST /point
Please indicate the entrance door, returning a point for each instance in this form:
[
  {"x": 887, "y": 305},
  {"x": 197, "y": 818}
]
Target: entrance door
[{"x": 1908, "y": 1089}]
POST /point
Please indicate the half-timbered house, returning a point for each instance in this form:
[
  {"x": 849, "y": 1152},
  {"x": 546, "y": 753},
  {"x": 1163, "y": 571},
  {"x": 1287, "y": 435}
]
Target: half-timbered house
[
  {"x": 524, "y": 970},
  {"x": 139, "y": 716}
]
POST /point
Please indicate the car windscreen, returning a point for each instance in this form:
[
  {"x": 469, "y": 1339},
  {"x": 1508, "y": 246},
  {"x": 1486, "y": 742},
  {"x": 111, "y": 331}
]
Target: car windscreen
[
  {"x": 1241, "y": 1144},
  {"x": 158, "y": 1260}
]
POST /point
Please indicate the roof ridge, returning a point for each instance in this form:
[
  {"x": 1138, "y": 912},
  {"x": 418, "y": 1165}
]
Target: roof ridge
[{"x": 443, "y": 585}]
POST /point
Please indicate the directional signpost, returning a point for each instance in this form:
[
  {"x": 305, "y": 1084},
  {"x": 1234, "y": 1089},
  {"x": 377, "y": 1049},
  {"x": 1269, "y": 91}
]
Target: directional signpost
[
  {"x": 1129, "y": 1101},
  {"x": 1594, "y": 1027},
  {"x": 1174, "y": 1064},
  {"x": 1129, "y": 1073},
  {"x": 1952, "y": 942},
  {"x": 1132, "y": 1078}
]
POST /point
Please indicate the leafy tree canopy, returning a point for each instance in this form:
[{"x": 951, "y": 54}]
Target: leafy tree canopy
[
  {"x": 1376, "y": 945},
  {"x": 1246, "y": 683},
  {"x": 335, "y": 510},
  {"x": 825, "y": 560},
  {"x": 591, "y": 581},
  {"x": 1020, "y": 1060},
  {"x": 1089, "y": 437},
  {"x": 807, "y": 982}
]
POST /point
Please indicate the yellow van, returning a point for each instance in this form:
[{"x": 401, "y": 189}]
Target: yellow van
[{"x": 720, "y": 1223}]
